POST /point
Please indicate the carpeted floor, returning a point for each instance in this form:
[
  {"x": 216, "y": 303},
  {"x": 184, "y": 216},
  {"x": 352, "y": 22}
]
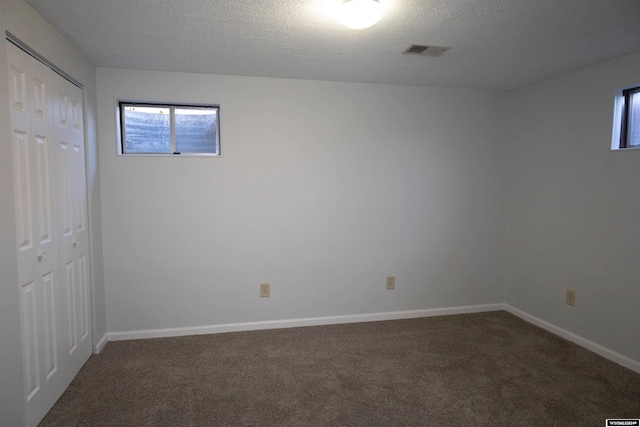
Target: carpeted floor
[{"x": 486, "y": 369}]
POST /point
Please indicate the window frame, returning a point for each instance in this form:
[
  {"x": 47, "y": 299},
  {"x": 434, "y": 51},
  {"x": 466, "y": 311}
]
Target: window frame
[
  {"x": 171, "y": 106},
  {"x": 621, "y": 117}
]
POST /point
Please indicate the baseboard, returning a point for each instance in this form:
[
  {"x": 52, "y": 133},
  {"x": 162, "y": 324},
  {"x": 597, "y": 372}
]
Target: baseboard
[
  {"x": 371, "y": 317},
  {"x": 576, "y": 339},
  {"x": 100, "y": 344},
  {"x": 293, "y": 323}
]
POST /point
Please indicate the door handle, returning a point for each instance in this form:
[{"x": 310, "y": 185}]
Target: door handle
[
  {"x": 76, "y": 243},
  {"x": 42, "y": 256}
]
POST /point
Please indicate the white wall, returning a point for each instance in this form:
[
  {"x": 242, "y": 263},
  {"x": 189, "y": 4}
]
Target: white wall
[
  {"x": 22, "y": 21},
  {"x": 323, "y": 190},
  {"x": 574, "y": 207}
]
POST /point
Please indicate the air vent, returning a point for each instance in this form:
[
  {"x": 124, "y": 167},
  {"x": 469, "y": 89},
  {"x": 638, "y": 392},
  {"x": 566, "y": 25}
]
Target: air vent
[{"x": 416, "y": 49}]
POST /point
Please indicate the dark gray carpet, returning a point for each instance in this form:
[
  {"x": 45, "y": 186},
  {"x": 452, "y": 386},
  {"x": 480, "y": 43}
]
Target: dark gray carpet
[{"x": 487, "y": 369}]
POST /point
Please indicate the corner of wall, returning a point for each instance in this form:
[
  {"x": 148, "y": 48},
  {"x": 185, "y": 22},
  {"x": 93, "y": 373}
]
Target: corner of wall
[
  {"x": 564, "y": 190},
  {"x": 98, "y": 304},
  {"x": 505, "y": 276}
]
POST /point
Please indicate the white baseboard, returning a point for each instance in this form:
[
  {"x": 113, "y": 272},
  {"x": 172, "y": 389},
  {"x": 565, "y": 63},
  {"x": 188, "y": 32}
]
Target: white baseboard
[
  {"x": 371, "y": 317},
  {"x": 576, "y": 339},
  {"x": 293, "y": 323},
  {"x": 100, "y": 344}
]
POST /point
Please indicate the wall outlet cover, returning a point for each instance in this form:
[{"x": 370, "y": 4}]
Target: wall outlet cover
[
  {"x": 391, "y": 282},
  {"x": 571, "y": 298},
  {"x": 265, "y": 290}
]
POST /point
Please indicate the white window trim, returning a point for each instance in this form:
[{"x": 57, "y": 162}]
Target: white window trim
[{"x": 172, "y": 104}]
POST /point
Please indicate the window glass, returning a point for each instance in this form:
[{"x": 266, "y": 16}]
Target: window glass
[
  {"x": 634, "y": 120},
  {"x": 147, "y": 130},
  {"x": 196, "y": 130}
]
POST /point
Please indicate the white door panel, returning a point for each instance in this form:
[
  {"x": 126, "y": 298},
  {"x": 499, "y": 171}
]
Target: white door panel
[{"x": 74, "y": 239}]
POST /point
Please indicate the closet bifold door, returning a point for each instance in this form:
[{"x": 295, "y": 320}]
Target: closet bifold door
[
  {"x": 73, "y": 230},
  {"x": 42, "y": 236}
]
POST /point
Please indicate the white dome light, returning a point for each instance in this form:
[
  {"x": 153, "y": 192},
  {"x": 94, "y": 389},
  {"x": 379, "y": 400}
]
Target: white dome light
[{"x": 360, "y": 14}]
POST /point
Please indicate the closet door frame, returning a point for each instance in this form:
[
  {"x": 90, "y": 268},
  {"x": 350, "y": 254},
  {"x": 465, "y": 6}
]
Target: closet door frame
[{"x": 46, "y": 310}]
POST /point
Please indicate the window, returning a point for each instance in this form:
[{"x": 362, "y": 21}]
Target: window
[
  {"x": 169, "y": 129},
  {"x": 626, "y": 131}
]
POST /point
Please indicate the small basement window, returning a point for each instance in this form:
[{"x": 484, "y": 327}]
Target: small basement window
[
  {"x": 626, "y": 125},
  {"x": 169, "y": 129}
]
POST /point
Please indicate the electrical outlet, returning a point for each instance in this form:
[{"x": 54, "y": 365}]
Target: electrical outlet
[
  {"x": 391, "y": 282},
  {"x": 265, "y": 290},
  {"x": 571, "y": 298}
]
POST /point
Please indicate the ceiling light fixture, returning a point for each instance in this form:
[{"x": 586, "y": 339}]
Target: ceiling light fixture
[{"x": 360, "y": 14}]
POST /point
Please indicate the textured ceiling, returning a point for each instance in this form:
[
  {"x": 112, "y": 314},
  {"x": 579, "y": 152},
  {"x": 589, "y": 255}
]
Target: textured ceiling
[{"x": 498, "y": 44}]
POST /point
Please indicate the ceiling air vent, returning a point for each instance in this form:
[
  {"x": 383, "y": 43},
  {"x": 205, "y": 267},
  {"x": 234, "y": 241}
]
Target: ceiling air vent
[{"x": 417, "y": 49}]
